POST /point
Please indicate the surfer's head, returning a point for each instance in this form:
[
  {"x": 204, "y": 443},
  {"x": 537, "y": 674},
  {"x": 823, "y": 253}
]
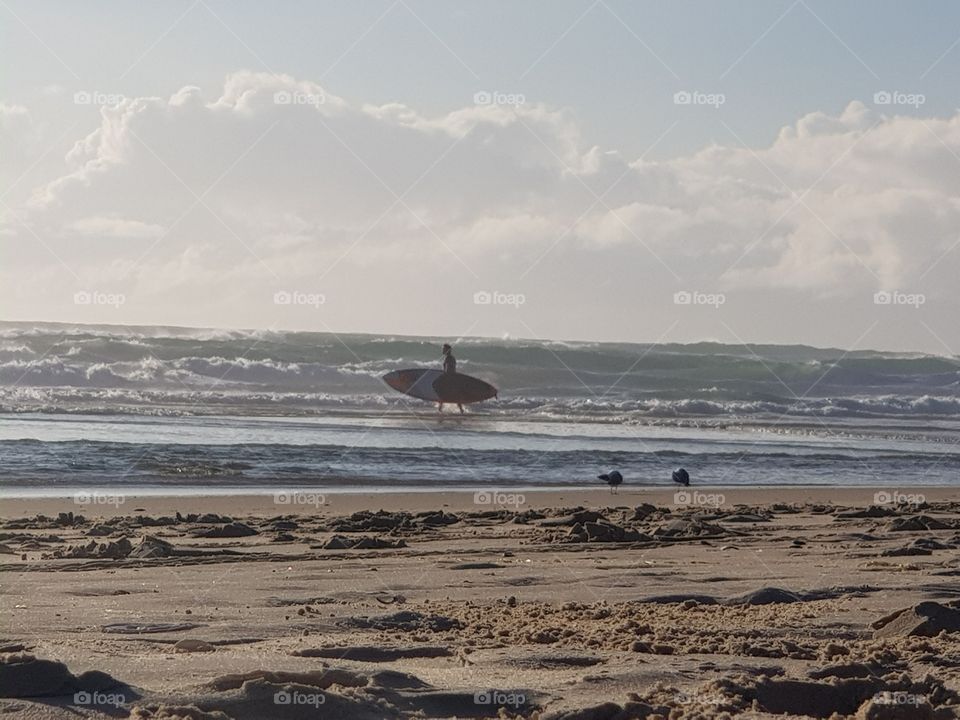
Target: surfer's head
[{"x": 446, "y": 348}]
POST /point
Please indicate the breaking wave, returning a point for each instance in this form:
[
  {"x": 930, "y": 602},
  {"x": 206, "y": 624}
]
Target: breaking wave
[{"x": 161, "y": 370}]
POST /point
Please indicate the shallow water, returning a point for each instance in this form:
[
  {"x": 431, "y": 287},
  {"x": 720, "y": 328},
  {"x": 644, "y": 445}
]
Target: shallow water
[{"x": 66, "y": 452}]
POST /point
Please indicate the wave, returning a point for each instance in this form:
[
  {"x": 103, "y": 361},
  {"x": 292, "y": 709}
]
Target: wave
[
  {"x": 191, "y": 396},
  {"x": 84, "y": 368},
  {"x": 151, "y": 372},
  {"x": 246, "y": 456}
]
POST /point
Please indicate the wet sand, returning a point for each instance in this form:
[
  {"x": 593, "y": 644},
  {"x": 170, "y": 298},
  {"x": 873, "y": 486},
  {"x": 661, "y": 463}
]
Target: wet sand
[{"x": 724, "y": 603}]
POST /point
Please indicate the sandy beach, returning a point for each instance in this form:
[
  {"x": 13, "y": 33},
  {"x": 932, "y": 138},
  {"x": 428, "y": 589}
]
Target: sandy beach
[{"x": 590, "y": 605}]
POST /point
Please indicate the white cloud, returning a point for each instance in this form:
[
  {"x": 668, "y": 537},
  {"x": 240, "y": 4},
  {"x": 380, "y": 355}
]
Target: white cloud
[
  {"x": 115, "y": 227},
  {"x": 278, "y": 179},
  {"x": 11, "y": 112}
]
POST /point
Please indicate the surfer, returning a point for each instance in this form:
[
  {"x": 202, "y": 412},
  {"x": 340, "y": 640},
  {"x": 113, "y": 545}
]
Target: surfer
[{"x": 449, "y": 368}]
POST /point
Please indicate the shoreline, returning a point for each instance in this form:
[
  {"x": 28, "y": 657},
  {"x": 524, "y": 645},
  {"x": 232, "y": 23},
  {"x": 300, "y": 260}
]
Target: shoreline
[{"x": 313, "y": 502}]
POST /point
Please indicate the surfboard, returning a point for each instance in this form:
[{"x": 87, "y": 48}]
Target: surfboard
[{"x": 438, "y": 386}]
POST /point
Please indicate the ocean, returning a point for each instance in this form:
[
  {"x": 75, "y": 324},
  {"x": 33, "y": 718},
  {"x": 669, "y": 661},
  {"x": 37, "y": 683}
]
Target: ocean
[{"x": 179, "y": 410}]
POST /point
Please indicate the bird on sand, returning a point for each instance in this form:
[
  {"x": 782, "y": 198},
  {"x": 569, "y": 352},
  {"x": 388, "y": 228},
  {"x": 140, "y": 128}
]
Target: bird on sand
[
  {"x": 612, "y": 479},
  {"x": 681, "y": 477}
]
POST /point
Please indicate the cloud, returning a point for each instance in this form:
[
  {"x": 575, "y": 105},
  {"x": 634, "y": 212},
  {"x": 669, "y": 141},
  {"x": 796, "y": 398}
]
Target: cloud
[
  {"x": 9, "y": 113},
  {"x": 276, "y": 178},
  {"x": 114, "y": 227}
]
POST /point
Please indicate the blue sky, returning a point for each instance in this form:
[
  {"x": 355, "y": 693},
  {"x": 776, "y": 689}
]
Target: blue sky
[
  {"x": 393, "y": 188},
  {"x": 615, "y": 64}
]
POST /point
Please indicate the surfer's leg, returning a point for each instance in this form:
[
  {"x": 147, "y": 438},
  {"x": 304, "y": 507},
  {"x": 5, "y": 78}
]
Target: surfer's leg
[
  {"x": 461, "y": 408},
  {"x": 440, "y": 408}
]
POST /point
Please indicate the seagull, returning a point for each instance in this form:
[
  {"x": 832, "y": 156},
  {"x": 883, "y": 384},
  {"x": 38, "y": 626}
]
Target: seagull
[
  {"x": 681, "y": 477},
  {"x": 612, "y": 479}
]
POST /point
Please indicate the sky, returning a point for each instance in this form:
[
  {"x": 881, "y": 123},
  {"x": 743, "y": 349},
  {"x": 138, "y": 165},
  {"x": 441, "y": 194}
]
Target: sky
[{"x": 623, "y": 171}]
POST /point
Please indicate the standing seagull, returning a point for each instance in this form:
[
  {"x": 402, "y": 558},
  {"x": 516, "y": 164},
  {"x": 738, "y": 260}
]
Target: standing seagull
[
  {"x": 681, "y": 477},
  {"x": 612, "y": 479}
]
